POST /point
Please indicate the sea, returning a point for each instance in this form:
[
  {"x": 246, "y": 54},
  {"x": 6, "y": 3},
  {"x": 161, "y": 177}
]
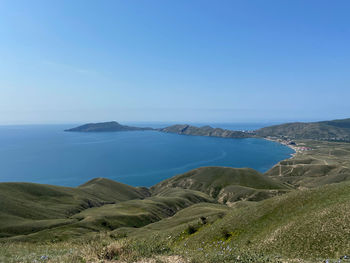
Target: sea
[{"x": 47, "y": 154}]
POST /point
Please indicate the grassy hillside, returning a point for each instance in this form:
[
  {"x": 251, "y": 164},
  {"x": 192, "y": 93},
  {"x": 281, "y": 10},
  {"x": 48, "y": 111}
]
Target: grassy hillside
[
  {"x": 136, "y": 213},
  {"x": 107, "y": 189},
  {"x": 337, "y": 130},
  {"x": 301, "y": 226},
  {"x": 311, "y": 223},
  {"x": 343, "y": 123},
  {"x": 325, "y": 163},
  {"x": 66, "y": 217},
  {"x": 209, "y": 212},
  {"x": 28, "y": 207},
  {"x": 45, "y": 212},
  {"x": 225, "y": 184}
]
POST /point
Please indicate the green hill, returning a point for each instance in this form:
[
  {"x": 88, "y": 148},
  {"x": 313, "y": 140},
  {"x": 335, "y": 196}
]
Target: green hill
[
  {"x": 225, "y": 184},
  {"x": 324, "y": 163},
  {"x": 28, "y": 207},
  {"x": 336, "y": 130},
  {"x": 300, "y": 226},
  {"x": 34, "y": 212},
  {"x": 107, "y": 189},
  {"x": 342, "y": 123},
  {"x": 39, "y": 212},
  {"x": 137, "y": 213}
]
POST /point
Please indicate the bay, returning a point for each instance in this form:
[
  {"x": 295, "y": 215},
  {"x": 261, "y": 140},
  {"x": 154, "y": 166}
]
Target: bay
[{"x": 47, "y": 154}]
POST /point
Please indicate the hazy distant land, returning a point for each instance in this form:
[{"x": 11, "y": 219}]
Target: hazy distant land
[{"x": 335, "y": 130}]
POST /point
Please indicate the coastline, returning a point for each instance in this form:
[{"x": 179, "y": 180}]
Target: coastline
[
  {"x": 84, "y": 146},
  {"x": 291, "y": 144}
]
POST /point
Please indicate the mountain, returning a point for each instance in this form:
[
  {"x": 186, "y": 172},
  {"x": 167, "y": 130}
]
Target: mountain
[
  {"x": 336, "y": 130},
  {"x": 112, "y": 126},
  {"x": 204, "y": 131}
]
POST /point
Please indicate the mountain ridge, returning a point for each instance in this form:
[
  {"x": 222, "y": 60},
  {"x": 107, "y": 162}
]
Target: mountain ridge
[
  {"x": 185, "y": 129},
  {"x": 333, "y": 130}
]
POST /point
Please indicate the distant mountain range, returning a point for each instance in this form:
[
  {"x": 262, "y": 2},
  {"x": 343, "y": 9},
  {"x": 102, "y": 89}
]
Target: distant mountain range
[{"x": 336, "y": 130}]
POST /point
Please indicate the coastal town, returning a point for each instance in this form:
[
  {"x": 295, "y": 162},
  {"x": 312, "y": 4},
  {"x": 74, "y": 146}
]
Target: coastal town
[{"x": 290, "y": 143}]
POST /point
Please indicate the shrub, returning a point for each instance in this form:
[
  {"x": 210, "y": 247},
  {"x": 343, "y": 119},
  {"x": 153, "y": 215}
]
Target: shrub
[{"x": 191, "y": 229}]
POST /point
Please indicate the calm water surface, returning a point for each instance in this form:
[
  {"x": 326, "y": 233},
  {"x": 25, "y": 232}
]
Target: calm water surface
[{"x": 47, "y": 154}]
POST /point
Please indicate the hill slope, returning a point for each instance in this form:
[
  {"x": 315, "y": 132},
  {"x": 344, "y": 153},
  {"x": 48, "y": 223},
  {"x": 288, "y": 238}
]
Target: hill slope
[
  {"x": 107, "y": 189},
  {"x": 301, "y": 226},
  {"x": 133, "y": 213},
  {"x": 36, "y": 212},
  {"x": 44, "y": 211},
  {"x": 324, "y": 163},
  {"x": 225, "y": 184},
  {"x": 28, "y": 207},
  {"x": 305, "y": 224},
  {"x": 336, "y": 130},
  {"x": 308, "y": 226}
]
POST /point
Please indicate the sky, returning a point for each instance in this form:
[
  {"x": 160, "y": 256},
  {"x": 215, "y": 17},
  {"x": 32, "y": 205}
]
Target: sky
[{"x": 64, "y": 61}]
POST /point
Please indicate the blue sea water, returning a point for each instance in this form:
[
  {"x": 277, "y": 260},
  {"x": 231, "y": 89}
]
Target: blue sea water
[{"x": 47, "y": 154}]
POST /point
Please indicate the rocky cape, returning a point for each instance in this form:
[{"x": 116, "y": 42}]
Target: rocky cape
[
  {"x": 111, "y": 126},
  {"x": 186, "y": 129}
]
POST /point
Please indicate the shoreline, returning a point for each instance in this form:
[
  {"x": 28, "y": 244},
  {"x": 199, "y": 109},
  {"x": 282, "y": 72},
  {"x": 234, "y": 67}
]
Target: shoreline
[
  {"x": 287, "y": 143},
  {"x": 204, "y": 163}
]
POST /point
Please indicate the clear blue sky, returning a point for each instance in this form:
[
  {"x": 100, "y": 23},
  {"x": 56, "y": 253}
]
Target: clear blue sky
[{"x": 199, "y": 61}]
